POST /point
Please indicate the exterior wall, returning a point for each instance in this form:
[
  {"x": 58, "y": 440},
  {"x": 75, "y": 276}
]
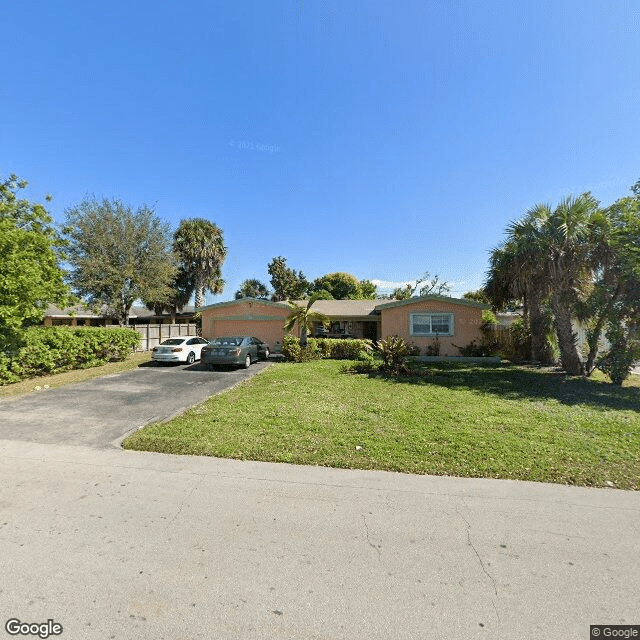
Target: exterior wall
[
  {"x": 466, "y": 324},
  {"x": 246, "y": 317}
]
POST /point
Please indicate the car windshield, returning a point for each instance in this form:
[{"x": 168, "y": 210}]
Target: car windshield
[
  {"x": 228, "y": 342},
  {"x": 173, "y": 341}
]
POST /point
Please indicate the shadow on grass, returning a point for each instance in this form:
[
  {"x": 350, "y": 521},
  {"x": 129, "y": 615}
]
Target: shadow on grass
[{"x": 522, "y": 382}]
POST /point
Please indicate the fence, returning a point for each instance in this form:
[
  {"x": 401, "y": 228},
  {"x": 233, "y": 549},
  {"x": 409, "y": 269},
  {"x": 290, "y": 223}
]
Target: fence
[{"x": 154, "y": 334}]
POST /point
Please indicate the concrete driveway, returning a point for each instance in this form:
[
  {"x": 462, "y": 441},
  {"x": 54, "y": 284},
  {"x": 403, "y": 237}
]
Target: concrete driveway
[{"x": 100, "y": 412}]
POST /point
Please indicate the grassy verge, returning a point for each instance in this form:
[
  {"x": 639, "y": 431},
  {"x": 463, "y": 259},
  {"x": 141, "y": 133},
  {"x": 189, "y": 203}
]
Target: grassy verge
[
  {"x": 497, "y": 422},
  {"x": 69, "y": 377}
]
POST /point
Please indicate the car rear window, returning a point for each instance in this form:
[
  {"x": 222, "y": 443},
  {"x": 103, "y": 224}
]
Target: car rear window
[
  {"x": 173, "y": 341},
  {"x": 227, "y": 342}
]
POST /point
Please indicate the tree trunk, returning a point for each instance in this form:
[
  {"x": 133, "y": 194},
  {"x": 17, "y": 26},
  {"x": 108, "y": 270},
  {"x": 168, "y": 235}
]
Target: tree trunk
[
  {"x": 571, "y": 361},
  {"x": 199, "y": 297},
  {"x": 303, "y": 336},
  {"x": 540, "y": 325}
]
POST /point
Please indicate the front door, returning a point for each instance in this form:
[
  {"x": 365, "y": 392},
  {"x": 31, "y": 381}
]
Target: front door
[{"x": 370, "y": 330}]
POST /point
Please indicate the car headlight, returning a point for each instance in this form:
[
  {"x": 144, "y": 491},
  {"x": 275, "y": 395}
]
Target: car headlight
[{"x": 234, "y": 352}]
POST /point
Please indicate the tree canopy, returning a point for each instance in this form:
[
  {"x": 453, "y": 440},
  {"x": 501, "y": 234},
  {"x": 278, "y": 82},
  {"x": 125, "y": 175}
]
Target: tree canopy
[
  {"x": 287, "y": 283},
  {"x": 119, "y": 255},
  {"x": 252, "y": 288},
  {"x": 30, "y": 252},
  {"x": 344, "y": 286},
  {"x": 424, "y": 285}
]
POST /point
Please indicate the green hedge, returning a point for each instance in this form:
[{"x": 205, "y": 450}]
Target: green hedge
[
  {"x": 329, "y": 348},
  {"x": 46, "y": 350}
]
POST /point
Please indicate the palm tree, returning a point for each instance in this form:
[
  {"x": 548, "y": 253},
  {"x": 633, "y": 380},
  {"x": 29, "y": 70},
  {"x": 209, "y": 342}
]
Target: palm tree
[
  {"x": 553, "y": 252},
  {"x": 567, "y": 249},
  {"x": 514, "y": 274},
  {"x": 200, "y": 247},
  {"x": 304, "y": 317}
]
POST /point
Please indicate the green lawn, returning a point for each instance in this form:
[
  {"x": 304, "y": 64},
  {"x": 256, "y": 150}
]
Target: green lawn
[{"x": 480, "y": 421}]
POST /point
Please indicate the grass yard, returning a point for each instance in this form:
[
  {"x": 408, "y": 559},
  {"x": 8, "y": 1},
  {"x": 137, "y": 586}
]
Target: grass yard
[
  {"x": 466, "y": 420},
  {"x": 73, "y": 376}
]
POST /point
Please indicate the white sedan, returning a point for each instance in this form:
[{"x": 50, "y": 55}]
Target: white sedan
[{"x": 186, "y": 349}]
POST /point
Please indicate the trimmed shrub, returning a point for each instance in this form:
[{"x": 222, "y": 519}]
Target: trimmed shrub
[
  {"x": 327, "y": 348},
  {"x": 337, "y": 349},
  {"x": 293, "y": 352},
  {"x": 46, "y": 350}
]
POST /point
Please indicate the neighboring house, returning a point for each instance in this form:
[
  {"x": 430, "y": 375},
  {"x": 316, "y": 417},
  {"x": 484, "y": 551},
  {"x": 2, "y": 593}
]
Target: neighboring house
[
  {"x": 419, "y": 320},
  {"x": 79, "y": 315}
]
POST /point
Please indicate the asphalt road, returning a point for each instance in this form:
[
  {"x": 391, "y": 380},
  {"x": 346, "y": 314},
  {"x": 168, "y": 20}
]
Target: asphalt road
[
  {"x": 126, "y": 545},
  {"x": 98, "y": 413}
]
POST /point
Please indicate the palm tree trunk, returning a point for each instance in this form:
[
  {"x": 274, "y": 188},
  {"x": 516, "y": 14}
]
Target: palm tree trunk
[
  {"x": 199, "y": 297},
  {"x": 540, "y": 325},
  {"x": 303, "y": 336},
  {"x": 571, "y": 361}
]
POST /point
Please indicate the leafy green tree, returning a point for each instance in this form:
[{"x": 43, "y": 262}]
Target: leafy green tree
[
  {"x": 30, "y": 253},
  {"x": 344, "y": 286},
  {"x": 199, "y": 244},
  {"x": 369, "y": 290},
  {"x": 287, "y": 283},
  {"x": 477, "y": 296},
  {"x": 252, "y": 288},
  {"x": 118, "y": 255},
  {"x": 304, "y": 318},
  {"x": 425, "y": 285},
  {"x": 181, "y": 287},
  {"x": 613, "y": 302},
  {"x": 403, "y": 293}
]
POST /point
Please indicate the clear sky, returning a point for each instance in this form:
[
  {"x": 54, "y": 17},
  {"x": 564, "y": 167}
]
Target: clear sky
[{"x": 381, "y": 138}]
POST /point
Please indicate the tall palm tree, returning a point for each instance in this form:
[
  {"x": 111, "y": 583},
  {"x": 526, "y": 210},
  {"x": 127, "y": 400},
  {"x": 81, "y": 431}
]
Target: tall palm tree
[
  {"x": 200, "y": 247},
  {"x": 567, "y": 250},
  {"x": 554, "y": 251},
  {"x": 304, "y": 317},
  {"x": 514, "y": 274}
]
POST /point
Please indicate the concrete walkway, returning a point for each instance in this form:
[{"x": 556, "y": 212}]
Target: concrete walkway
[{"x": 127, "y": 545}]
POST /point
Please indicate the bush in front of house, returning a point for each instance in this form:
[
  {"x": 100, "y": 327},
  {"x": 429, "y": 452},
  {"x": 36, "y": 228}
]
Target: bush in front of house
[
  {"x": 327, "y": 348},
  {"x": 46, "y": 350}
]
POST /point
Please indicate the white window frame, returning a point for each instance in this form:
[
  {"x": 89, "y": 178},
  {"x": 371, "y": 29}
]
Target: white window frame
[{"x": 430, "y": 314}]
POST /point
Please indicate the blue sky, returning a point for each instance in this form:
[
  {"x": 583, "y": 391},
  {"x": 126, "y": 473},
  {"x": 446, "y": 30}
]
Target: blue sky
[{"x": 384, "y": 139}]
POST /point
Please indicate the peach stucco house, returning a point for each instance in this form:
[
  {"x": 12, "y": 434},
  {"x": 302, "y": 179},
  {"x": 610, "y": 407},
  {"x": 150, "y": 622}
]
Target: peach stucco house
[{"x": 420, "y": 320}]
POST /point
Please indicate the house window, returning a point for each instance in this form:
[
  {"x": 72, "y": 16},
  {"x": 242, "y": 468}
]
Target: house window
[{"x": 431, "y": 324}]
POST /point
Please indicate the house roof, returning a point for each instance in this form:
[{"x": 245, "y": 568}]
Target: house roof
[
  {"x": 228, "y": 303},
  {"x": 460, "y": 301},
  {"x": 345, "y": 308},
  {"x": 364, "y": 309}
]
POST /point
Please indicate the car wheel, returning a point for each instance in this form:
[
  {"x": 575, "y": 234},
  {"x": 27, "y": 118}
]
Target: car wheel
[
  {"x": 247, "y": 361},
  {"x": 266, "y": 354},
  {"x": 191, "y": 358}
]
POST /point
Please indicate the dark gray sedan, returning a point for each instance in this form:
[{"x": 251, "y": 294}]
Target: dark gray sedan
[{"x": 234, "y": 350}]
